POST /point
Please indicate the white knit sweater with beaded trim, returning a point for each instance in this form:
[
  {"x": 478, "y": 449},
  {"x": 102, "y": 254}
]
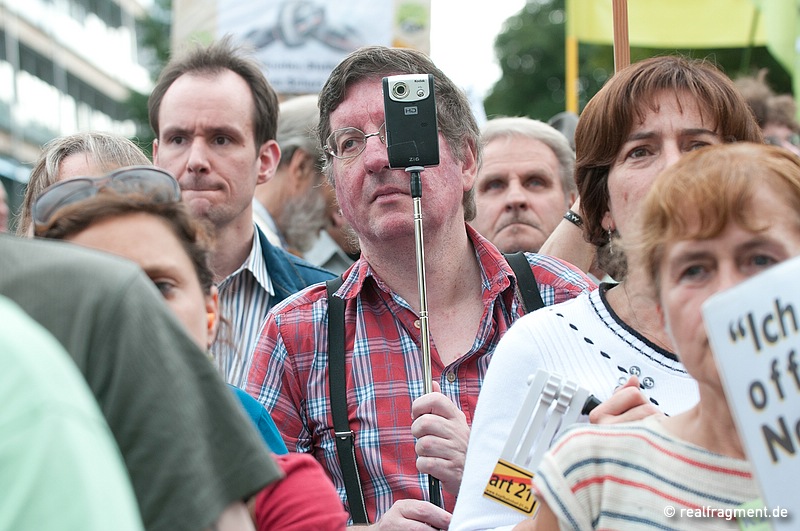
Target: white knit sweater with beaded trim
[{"x": 581, "y": 340}]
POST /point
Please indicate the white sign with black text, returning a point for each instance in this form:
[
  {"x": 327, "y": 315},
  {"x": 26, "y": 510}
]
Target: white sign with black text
[{"x": 754, "y": 331}]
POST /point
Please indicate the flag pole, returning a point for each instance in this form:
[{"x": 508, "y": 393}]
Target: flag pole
[
  {"x": 748, "y": 52},
  {"x": 622, "y": 49},
  {"x": 571, "y": 62}
]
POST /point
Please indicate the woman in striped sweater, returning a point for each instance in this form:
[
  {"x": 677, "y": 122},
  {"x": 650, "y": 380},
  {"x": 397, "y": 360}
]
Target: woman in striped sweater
[{"x": 715, "y": 218}]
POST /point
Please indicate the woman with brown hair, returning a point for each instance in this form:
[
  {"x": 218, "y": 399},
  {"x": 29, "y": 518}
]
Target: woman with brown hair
[{"x": 609, "y": 341}]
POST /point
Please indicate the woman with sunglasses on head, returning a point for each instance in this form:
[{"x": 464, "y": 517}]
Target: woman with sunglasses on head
[
  {"x": 609, "y": 341},
  {"x": 136, "y": 213},
  {"x": 160, "y": 187},
  {"x": 711, "y": 221},
  {"x": 105, "y": 229},
  {"x": 84, "y": 154}
]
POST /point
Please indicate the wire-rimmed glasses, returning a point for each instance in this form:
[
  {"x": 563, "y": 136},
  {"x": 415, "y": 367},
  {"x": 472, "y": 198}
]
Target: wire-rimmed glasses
[{"x": 350, "y": 142}]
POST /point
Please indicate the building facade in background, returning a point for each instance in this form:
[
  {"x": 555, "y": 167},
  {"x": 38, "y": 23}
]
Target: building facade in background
[{"x": 65, "y": 66}]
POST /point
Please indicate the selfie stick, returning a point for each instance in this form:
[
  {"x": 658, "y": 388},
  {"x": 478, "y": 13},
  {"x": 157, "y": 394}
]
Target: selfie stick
[{"x": 416, "y": 194}]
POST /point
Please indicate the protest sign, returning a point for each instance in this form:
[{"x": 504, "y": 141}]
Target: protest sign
[{"x": 753, "y": 332}]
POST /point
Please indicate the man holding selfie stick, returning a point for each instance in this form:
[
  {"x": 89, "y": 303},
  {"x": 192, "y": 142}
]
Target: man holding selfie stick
[{"x": 401, "y": 434}]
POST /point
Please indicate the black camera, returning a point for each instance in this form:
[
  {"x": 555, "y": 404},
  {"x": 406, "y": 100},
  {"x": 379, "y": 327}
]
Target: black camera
[{"x": 412, "y": 136}]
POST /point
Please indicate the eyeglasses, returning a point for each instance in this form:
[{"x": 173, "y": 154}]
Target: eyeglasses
[
  {"x": 349, "y": 142},
  {"x": 150, "y": 181}
]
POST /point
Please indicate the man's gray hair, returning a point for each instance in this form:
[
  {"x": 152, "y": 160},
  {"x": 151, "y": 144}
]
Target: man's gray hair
[
  {"x": 523, "y": 127},
  {"x": 297, "y": 128}
]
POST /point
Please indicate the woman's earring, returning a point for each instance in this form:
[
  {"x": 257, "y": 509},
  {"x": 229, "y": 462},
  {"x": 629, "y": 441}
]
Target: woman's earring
[{"x": 610, "y": 242}]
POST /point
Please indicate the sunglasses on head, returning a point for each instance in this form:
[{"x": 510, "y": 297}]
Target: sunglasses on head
[{"x": 149, "y": 181}]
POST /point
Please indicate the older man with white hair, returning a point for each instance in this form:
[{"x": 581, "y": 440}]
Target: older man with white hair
[{"x": 525, "y": 183}]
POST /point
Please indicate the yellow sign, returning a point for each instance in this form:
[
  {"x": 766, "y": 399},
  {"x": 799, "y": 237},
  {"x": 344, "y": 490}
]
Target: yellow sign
[
  {"x": 510, "y": 485},
  {"x": 673, "y": 24}
]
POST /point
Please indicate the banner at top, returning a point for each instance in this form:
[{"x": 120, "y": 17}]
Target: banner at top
[
  {"x": 300, "y": 41},
  {"x": 670, "y": 24}
]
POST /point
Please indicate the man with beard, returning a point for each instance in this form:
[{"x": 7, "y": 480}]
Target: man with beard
[
  {"x": 291, "y": 207},
  {"x": 524, "y": 185},
  {"x": 297, "y": 208},
  {"x": 215, "y": 119}
]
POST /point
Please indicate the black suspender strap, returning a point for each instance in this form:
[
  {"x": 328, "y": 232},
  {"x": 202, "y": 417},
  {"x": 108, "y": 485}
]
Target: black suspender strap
[
  {"x": 526, "y": 281},
  {"x": 345, "y": 438}
]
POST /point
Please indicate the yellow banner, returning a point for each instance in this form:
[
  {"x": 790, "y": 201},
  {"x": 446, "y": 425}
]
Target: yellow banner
[
  {"x": 671, "y": 23},
  {"x": 780, "y": 21}
]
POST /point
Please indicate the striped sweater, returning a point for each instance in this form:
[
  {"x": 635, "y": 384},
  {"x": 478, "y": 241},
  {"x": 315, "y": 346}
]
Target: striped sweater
[{"x": 627, "y": 476}]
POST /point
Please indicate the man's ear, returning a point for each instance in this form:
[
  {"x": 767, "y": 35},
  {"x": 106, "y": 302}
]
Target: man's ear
[
  {"x": 155, "y": 151},
  {"x": 302, "y": 170},
  {"x": 269, "y": 156},
  {"x": 212, "y": 312},
  {"x": 469, "y": 164}
]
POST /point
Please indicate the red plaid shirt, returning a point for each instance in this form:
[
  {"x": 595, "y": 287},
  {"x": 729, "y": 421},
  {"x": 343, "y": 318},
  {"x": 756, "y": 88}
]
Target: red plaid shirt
[{"x": 289, "y": 372}]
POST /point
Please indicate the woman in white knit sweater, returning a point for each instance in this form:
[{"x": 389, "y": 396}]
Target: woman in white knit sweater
[{"x": 642, "y": 121}]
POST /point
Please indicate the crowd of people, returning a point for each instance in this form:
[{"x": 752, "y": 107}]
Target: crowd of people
[{"x": 235, "y": 327}]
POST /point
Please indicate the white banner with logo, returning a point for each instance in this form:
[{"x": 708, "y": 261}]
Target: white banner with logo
[{"x": 301, "y": 41}]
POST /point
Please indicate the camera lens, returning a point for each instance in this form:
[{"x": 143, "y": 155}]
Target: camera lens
[{"x": 400, "y": 90}]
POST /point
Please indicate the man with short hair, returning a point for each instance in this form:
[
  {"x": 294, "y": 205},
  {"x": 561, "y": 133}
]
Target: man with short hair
[
  {"x": 215, "y": 119},
  {"x": 525, "y": 183},
  {"x": 400, "y": 435},
  {"x": 297, "y": 208}
]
